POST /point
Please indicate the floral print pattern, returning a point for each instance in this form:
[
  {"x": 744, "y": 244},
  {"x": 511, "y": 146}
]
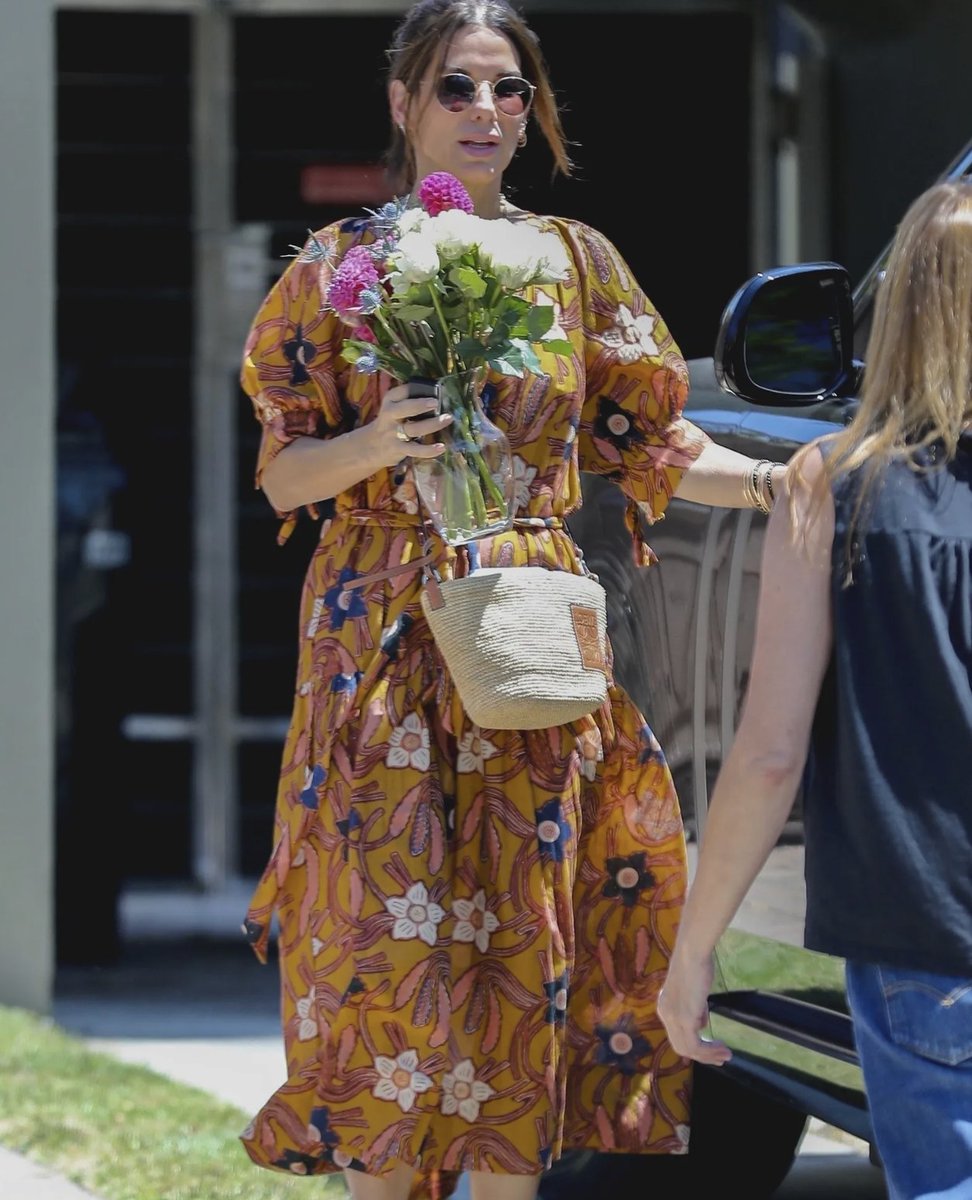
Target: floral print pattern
[{"x": 472, "y": 924}]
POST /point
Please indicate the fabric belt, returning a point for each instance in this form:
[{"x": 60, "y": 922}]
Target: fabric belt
[{"x": 403, "y": 520}]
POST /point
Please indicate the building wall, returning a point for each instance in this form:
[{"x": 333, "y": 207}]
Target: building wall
[
  {"x": 902, "y": 110},
  {"x": 26, "y": 506}
]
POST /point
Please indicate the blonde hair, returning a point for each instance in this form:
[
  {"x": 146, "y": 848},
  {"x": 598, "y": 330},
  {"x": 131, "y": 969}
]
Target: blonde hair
[{"x": 917, "y": 385}]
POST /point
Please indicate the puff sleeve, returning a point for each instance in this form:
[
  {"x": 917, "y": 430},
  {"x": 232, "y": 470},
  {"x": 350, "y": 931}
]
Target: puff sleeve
[
  {"x": 291, "y": 369},
  {"x": 631, "y": 428}
]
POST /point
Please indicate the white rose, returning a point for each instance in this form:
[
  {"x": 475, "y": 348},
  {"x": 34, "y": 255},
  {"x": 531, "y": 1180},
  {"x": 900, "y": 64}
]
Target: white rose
[
  {"x": 520, "y": 255},
  {"x": 414, "y": 260},
  {"x": 455, "y": 232},
  {"x": 411, "y": 221}
]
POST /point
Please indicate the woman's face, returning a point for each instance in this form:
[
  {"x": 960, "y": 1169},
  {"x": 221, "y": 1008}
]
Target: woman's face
[{"x": 477, "y": 143}]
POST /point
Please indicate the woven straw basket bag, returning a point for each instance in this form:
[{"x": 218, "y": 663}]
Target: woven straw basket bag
[{"x": 526, "y": 646}]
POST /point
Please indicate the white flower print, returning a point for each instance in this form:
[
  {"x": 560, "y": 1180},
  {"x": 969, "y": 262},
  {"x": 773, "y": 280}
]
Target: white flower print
[
  {"x": 474, "y": 923},
  {"x": 415, "y": 915},
  {"x": 523, "y": 476},
  {"x": 315, "y": 617},
  {"x": 406, "y": 496},
  {"x": 556, "y": 330},
  {"x": 408, "y": 744},
  {"x": 682, "y": 1133},
  {"x": 462, "y": 1092},
  {"x": 316, "y": 946},
  {"x": 306, "y": 1011},
  {"x": 474, "y": 750},
  {"x": 630, "y": 337},
  {"x": 399, "y": 1079}
]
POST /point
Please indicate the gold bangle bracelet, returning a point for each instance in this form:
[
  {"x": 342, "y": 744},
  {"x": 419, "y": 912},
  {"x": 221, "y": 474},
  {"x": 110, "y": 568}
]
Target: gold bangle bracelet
[{"x": 752, "y": 486}]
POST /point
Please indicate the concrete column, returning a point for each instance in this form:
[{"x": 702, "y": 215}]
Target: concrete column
[{"x": 27, "y": 482}]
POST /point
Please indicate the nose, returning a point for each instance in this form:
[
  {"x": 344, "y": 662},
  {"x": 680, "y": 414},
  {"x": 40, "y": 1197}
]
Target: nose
[{"x": 484, "y": 98}]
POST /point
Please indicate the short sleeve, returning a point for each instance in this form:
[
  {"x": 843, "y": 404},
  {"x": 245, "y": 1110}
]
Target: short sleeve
[
  {"x": 632, "y": 429},
  {"x": 291, "y": 366}
]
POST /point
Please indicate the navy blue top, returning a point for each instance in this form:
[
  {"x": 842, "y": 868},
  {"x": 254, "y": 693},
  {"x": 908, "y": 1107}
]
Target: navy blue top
[{"x": 888, "y": 804}]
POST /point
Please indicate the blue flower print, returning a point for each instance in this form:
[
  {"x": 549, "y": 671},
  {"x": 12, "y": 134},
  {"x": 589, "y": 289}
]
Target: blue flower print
[
  {"x": 615, "y": 425},
  {"x": 392, "y": 636},
  {"x": 629, "y": 876},
  {"x": 253, "y": 931},
  {"x": 487, "y": 397},
  {"x": 650, "y": 750},
  {"x": 308, "y": 797},
  {"x": 298, "y": 351},
  {"x": 571, "y": 436},
  {"x": 543, "y": 1157},
  {"x": 620, "y": 1046},
  {"x": 297, "y": 1164},
  {"x": 320, "y": 1119},
  {"x": 344, "y": 604},
  {"x": 346, "y": 826},
  {"x": 354, "y": 988},
  {"x": 553, "y": 832},
  {"x": 346, "y": 683},
  {"x": 556, "y": 992}
]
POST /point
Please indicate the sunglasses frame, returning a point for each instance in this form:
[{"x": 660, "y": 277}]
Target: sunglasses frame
[{"x": 466, "y": 101}]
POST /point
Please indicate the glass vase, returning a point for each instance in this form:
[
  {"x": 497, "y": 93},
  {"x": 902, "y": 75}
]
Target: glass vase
[{"x": 468, "y": 491}]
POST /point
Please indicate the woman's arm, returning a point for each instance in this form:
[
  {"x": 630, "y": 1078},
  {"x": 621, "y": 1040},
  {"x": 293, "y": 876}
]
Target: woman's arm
[
  {"x": 719, "y": 477},
  {"x": 311, "y": 469},
  {"x": 755, "y": 789}
]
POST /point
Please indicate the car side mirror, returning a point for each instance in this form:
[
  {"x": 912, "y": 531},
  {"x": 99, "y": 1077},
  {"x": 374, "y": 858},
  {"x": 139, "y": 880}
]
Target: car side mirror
[{"x": 787, "y": 337}]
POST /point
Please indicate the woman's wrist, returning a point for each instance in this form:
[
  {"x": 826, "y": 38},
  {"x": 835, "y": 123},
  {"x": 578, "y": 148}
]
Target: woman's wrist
[{"x": 759, "y": 488}]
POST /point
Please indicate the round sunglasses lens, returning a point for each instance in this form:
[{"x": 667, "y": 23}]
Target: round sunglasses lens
[
  {"x": 512, "y": 95},
  {"x": 456, "y": 92}
]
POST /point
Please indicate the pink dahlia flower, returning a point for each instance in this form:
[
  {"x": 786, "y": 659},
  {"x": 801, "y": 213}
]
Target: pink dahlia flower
[
  {"x": 354, "y": 275},
  {"x": 441, "y": 191}
]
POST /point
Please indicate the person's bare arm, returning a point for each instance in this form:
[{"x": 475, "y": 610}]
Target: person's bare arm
[
  {"x": 755, "y": 789},
  {"x": 717, "y": 477},
  {"x": 310, "y": 469}
]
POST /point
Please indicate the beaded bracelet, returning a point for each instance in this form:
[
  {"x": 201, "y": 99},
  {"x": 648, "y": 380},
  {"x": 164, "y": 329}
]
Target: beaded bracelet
[{"x": 753, "y": 484}]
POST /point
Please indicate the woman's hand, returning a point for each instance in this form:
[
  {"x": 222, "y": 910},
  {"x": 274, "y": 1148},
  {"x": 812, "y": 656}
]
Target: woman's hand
[
  {"x": 406, "y": 414},
  {"x": 683, "y": 1006}
]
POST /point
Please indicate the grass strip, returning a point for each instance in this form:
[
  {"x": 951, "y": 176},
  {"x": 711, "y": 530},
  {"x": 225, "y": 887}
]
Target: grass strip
[{"x": 123, "y": 1131}]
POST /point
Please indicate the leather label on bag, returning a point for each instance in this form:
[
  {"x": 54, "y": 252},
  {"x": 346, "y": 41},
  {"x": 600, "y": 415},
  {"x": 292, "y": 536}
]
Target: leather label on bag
[
  {"x": 434, "y": 595},
  {"x": 588, "y": 637}
]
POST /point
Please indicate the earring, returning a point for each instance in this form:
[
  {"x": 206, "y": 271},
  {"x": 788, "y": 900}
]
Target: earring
[
  {"x": 522, "y": 139},
  {"x": 400, "y": 126}
]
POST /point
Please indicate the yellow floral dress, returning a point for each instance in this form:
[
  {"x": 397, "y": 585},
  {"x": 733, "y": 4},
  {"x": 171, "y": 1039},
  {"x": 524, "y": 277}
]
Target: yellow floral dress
[{"x": 472, "y": 924}]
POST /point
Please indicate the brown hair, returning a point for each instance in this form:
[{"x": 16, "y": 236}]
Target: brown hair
[
  {"x": 421, "y": 39},
  {"x": 917, "y": 386}
]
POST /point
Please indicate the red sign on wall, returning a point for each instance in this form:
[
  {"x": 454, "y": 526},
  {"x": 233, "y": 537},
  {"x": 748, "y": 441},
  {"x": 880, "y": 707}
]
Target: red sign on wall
[{"x": 344, "y": 183}]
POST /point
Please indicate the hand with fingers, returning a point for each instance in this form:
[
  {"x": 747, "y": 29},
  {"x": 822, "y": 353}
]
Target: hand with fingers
[
  {"x": 409, "y": 413},
  {"x": 683, "y": 1006}
]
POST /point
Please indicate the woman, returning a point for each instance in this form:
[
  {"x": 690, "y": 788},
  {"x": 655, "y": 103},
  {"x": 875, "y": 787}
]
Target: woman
[
  {"x": 866, "y": 598},
  {"x": 473, "y": 923}
]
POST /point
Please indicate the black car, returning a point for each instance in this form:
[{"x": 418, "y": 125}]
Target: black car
[{"x": 787, "y": 365}]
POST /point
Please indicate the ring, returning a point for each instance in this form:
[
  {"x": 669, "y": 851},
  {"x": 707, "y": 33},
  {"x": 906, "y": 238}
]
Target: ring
[{"x": 400, "y": 432}]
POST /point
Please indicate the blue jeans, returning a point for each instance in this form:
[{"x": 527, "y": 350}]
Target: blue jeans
[{"x": 914, "y": 1039}]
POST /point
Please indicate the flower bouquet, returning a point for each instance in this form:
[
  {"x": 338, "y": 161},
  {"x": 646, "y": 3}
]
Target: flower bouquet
[{"x": 437, "y": 295}]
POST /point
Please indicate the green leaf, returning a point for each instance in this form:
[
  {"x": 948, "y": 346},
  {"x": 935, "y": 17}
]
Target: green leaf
[
  {"x": 470, "y": 348},
  {"x": 508, "y": 365},
  {"x": 468, "y": 281},
  {"x": 414, "y": 312},
  {"x": 528, "y": 356},
  {"x": 557, "y": 346},
  {"x": 538, "y": 321}
]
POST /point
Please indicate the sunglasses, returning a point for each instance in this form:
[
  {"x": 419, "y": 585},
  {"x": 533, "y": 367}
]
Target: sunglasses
[{"x": 511, "y": 94}]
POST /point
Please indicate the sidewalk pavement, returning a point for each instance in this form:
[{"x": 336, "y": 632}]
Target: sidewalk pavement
[{"x": 190, "y": 1000}]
